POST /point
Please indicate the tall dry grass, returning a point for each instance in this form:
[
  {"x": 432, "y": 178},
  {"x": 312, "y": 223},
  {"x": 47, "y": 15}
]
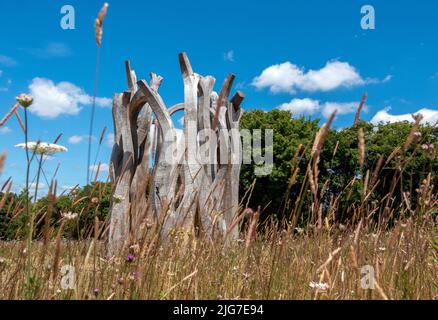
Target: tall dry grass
[
  {"x": 271, "y": 260},
  {"x": 276, "y": 265}
]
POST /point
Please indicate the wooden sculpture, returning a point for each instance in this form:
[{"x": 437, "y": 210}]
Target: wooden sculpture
[{"x": 160, "y": 179}]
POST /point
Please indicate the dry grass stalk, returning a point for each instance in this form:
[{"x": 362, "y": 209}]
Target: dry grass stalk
[
  {"x": 23, "y": 127},
  {"x": 57, "y": 252},
  {"x": 5, "y": 195},
  {"x": 275, "y": 266},
  {"x": 9, "y": 114},
  {"x": 353, "y": 257},
  {"x": 380, "y": 291},
  {"x": 361, "y": 148},
  {"x": 102, "y": 135},
  {"x": 335, "y": 150},
  {"x": 252, "y": 229},
  {"x": 321, "y": 136},
  {"x": 392, "y": 155},
  {"x": 98, "y": 24},
  {"x": 58, "y": 137},
  {"x": 414, "y": 129},
  {"x": 2, "y": 160},
  {"x": 359, "y": 109},
  {"x": 330, "y": 258},
  {"x": 377, "y": 171}
]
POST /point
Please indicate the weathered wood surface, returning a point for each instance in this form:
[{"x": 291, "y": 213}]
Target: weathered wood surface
[{"x": 160, "y": 179}]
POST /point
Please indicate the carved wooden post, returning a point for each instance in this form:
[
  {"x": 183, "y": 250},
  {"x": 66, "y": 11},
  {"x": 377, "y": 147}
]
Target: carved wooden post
[{"x": 195, "y": 180}]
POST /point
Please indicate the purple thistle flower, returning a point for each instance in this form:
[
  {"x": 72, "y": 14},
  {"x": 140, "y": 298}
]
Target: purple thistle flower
[
  {"x": 96, "y": 292},
  {"x": 130, "y": 258}
]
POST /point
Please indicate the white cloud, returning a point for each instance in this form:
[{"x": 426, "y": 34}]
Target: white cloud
[
  {"x": 335, "y": 74},
  {"x": 67, "y": 188},
  {"x": 5, "y": 130},
  {"x": 387, "y": 78},
  {"x": 7, "y": 61},
  {"x": 42, "y": 189},
  {"x": 104, "y": 167},
  {"x": 8, "y": 83},
  {"x": 309, "y": 107},
  {"x": 76, "y": 139},
  {"x": 32, "y": 186},
  {"x": 52, "y": 50},
  {"x": 340, "y": 108},
  {"x": 241, "y": 85},
  {"x": 430, "y": 116},
  {"x": 52, "y": 100},
  {"x": 301, "y": 106},
  {"x": 229, "y": 56},
  {"x": 40, "y": 185},
  {"x": 110, "y": 140},
  {"x": 288, "y": 77},
  {"x": 279, "y": 78}
]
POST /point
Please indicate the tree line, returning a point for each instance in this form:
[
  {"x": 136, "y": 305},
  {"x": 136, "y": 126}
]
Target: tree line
[{"x": 340, "y": 165}]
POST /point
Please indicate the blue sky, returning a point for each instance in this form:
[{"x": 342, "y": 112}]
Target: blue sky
[{"x": 307, "y": 56}]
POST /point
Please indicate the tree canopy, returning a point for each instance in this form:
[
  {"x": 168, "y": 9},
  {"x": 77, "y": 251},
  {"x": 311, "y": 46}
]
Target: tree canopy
[{"x": 339, "y": 161}]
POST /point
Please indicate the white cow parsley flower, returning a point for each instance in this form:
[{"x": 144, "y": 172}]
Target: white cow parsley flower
[
  {"x": 319, "y": 286},
  {"x": 43, "y": 147},
  {"x": 69, "y": 215}
]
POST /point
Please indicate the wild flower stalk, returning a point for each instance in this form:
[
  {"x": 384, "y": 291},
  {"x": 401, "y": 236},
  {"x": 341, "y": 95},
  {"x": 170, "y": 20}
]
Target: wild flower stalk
[
  {"x": 26, "y": 101},
  {"x": 98, "y": 26},
  {"x": 45, "y": 159},
  {"x": 40, "y": 149}
]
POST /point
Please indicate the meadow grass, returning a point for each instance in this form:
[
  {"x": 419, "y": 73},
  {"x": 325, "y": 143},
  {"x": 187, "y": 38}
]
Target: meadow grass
[
  {"x": 272, "y": 259},
  {"x": 275, "y": 265}
]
